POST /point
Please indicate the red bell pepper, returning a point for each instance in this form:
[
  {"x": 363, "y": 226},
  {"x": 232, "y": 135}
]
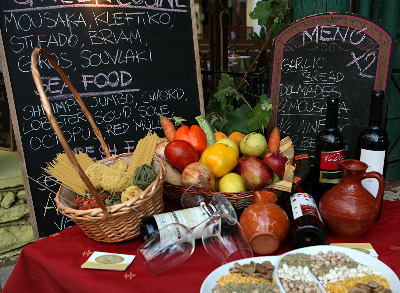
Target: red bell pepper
[{"x": 193, "y": 135}]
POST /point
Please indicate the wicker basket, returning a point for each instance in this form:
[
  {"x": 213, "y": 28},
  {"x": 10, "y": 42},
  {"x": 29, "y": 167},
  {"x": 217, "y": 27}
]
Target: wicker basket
[
  {"x": 105, "y": 224},
  {"x": 239, "y": 200}
]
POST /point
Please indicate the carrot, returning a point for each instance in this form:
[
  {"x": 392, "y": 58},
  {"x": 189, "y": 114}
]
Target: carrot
[
  {"x": 168, "y": 127},
  {"x": 274, "y": 141}
]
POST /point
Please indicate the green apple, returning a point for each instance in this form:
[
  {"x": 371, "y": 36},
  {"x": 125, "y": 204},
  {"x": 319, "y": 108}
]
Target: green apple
[
  {"x": 230, "y": 143},
  {"x": 253, "y": 145}
]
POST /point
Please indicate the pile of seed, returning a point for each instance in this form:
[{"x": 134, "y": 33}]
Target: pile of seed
[
  {"x": 252, "y": 277},
  {"x": 247, "y": 288},
  {"x": 297, "y": 279},
  {"x": 342, "y": 273},
  {"x": 297, "y": 259},
  {"x": 295, "y": 275},
  {"x": 371, "y": 286},
  {"x": 322, "y": 263}
]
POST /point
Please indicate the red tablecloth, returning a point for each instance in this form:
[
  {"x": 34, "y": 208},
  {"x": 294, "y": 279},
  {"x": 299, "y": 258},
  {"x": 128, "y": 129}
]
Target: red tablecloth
[{"x": 53, "y": 264}]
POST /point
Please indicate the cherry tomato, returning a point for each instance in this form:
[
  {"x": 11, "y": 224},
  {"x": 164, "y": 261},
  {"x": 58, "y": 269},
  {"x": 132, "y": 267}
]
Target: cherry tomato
[{"x": 180, "y": 153}]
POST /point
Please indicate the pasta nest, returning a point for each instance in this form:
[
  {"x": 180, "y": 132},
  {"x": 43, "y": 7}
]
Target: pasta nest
[
  {"x": 120, "y": 165},
  {"x": 95, "y": 173},
  {"x": 130, "y": 192},
  {"x": 115, "y": 180}
]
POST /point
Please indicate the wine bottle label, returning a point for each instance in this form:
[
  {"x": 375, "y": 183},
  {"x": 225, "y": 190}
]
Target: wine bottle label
[
  {"x": 191, "y": 217},
  {"x": 329, "y": 169},
  {"x": 304, "y": 204},
  {"x": 375, "y": 161}
]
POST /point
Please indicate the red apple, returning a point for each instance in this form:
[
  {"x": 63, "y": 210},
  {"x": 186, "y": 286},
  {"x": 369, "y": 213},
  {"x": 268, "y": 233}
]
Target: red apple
[
  {"x": 276, "y": 162},
  {"x": 238, "y": 168},
  {"x": 256, "y": 174}
]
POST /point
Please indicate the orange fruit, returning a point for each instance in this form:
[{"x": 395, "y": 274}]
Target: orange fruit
[
  {"x": 219, "y": 135},
  {"x": 236, "y": 136}
]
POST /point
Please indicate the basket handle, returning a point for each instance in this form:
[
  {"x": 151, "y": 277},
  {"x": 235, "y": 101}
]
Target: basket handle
[{"x": 56, "y": 127}]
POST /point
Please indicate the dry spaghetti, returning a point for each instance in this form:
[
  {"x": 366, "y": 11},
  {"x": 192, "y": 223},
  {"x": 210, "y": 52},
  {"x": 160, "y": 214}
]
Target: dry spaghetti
[
  {"x": 144, "y": 152},
  {"x": 62, "y": 169}
]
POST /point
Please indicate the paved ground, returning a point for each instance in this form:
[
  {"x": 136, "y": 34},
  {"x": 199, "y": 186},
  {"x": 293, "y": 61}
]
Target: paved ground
[{"x": 5, "y": 273}]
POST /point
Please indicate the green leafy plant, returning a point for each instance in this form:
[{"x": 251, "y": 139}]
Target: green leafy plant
[
  {"x": 225, "y": 117},
  {"x": 275, "y": 15}
]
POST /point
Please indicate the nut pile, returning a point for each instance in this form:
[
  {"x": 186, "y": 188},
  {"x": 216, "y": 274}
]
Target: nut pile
[
  {"x": 371, "y": 286},
  {"x": 343, "y": 272},
  {"x": 336, "y": 272},
  {"x": 258, "y": 270},
  {"x": 322, "y": 263},
  {"x": 252, "y": 277},
  {"x": 295, "y": 275}
]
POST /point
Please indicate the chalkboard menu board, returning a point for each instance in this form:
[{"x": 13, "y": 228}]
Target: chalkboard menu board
[
  {"x": 129, "y": 60},
  {"x": 328, "y": 55}
]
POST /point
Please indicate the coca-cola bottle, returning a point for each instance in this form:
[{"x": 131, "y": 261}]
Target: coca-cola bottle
[{"x": 329, "y": 149}]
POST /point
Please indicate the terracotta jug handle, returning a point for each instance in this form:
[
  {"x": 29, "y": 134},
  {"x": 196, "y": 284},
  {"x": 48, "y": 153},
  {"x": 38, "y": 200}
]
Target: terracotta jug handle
[{"x": 381, "y": 181}]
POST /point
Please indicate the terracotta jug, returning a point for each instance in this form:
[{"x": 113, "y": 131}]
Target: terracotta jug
[
  {"x": 265, "y": 224},
  {"x": 348, "y": 209}
]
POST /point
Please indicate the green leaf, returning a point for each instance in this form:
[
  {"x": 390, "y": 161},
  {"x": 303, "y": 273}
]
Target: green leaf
[
  {"x": 237, "y": 119},
  {"x": 254, "y": 124},
  {"x": 226, "y": 85},
  {"x": 260, "y": 115},
  {"x": 260, "y": 12},
  {"x": 274, "y": 14}
]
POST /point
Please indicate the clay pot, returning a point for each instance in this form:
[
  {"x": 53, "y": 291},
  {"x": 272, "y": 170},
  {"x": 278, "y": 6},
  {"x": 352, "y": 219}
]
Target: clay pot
[
  {"x": 265, "y": 224},
  {"x": 348, "y": 209}
]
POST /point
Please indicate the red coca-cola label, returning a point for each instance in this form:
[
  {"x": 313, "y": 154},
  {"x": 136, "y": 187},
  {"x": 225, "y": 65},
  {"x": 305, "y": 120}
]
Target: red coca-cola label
[{"x": 329, "y": 160}]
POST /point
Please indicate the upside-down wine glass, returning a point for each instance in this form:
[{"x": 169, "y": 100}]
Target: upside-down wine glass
[{"x": 221, "y": 234}]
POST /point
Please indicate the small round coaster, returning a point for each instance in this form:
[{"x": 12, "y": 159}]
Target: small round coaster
[{"x": 109, "y": 259}]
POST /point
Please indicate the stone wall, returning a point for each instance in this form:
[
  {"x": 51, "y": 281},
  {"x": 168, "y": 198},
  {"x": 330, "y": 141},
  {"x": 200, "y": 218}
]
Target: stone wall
[{"x": 15, "y": 226}]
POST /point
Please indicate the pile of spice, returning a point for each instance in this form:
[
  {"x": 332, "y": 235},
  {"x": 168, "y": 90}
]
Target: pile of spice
[{"x": 252, "y": 277}]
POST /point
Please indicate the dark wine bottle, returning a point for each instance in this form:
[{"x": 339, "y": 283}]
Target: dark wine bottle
[
  {"x": 307, "y": 227},
  {"x": 329, "y": 149},
  {"x": 372, "y": 144},
  {"x": 191, "y": 217}
]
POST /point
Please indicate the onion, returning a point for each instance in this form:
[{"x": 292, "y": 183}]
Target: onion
[
  {"x": 198, "y": 172},
  {"x": 160, "y": 148}
]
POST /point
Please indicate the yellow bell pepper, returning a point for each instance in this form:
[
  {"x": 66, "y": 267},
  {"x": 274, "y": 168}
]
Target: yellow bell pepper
[{"x": 220, "y": 158}]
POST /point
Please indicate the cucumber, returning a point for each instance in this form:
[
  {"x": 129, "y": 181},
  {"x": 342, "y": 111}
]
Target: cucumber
[{"x": 203, "y": 123}]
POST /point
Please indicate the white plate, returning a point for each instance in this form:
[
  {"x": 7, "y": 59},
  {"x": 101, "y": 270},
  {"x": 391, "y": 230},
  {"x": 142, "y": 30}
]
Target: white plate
[{"x": 211, "y": 281}]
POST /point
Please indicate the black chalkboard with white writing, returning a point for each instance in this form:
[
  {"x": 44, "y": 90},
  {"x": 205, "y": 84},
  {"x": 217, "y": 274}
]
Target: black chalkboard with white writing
[
  {"x": 328, "y": 55},
  {"x": 129, "y": 60}
]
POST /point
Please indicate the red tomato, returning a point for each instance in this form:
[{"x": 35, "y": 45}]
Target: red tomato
[{"x": 180, "y": 153}]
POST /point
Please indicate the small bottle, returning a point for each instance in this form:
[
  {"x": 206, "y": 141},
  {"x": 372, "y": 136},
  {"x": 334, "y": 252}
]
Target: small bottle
[
  {"x": 307, "y": 227},
  {"x": 372, "y": 144},
  {"x": 191, "y": 217},
  {"x": 329, "y": 149}
]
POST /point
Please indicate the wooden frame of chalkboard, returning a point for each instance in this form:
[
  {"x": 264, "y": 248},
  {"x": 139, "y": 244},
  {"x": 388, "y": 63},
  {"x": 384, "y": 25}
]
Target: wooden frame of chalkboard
[
  {"x": 7, "y": 140},
  {"x": 129, "y": 62},
  {"x": 324, "y": 55}
]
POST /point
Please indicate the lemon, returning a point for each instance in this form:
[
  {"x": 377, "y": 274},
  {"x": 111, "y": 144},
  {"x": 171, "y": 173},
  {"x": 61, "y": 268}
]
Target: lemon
[{"x": 231, "y": 182}]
